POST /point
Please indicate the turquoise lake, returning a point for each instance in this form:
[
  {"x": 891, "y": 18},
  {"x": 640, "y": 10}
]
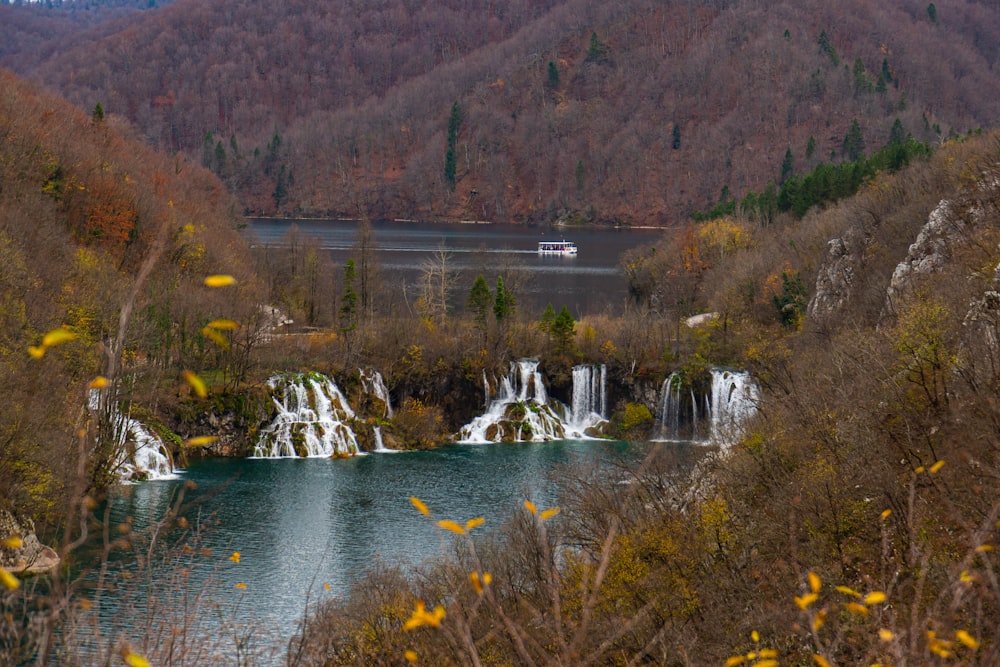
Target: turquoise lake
[{"x": 307, "y": 528}]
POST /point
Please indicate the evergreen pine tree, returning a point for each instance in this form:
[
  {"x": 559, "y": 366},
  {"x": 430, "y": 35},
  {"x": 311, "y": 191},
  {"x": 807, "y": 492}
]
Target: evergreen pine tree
[
  {"x": 854, "y": 142},
  {"x": 503, "y": 303},
  {"x": 563, "y": 331},
  {"x": 787, "y": 166},
  {"x": 479, "y": 301},
  {"x": 454, "y": 123},
  {"x": 676, "y": 143},
  {"x": 349, "y": 300},
  {"x": 553, "y": 75},
  {"x": 898, "y": 134}
]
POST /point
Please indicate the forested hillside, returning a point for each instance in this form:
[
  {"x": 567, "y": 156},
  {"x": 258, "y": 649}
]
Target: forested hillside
[
  {"x": 106, "y": 242},
  {"x": 638, "y": 112}
]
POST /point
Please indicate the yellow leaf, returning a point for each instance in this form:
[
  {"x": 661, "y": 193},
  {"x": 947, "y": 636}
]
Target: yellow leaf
[
  {"x": 225, "y": 325},
  {"x": 874, "y": 598},
  {"x": 8, "y": 580},
  {"x": 12, "y": 542},
  {"x": 530, "y": 506},
  {"x": 856, "y": 608},
  {"x": 326, "y": 587},
  {"x": 197, "y": 384},
  {"x": 99, "y": 382},
  {"x": 920, "y": 470},
  {"x": 241, "y": 586},
  {"x": 422, "y": 617},
  {"x": 57, "y": 336},
  {"x": 885, "y": 514},
  {"x": 474, "y": 523},
  {"x": 768, "y": 653},
  {"x": 983, "y": 548},
  {"x": 755, "y": 636},
  {"x": 967, "y": 639},
  {"x": 937, "y": 466},
  {"x": 735, "y": 660},
  {"x": 477, "y": 585},
  {"x": 966, "y": 577},
  {"x": 848, "y": 591},
  {"x": 410, "y": 655},
  {"x": 820, "y": 660},
  {"x": 419, "y": 504},
  {"x": 487, "y": 578},
  {"x": 766, "y": 663},
  {"x": 200, "y": 440},
  {"x": 818, "y": 620},
  {"x": 804, "y": 601},
  {"x": 215, "y": 337},
  {"x": 235, "y": 557},
  {"x": 885, "y": 635},
  {"x": 814, "y": 582},
  {"x": 549, "y": 513},
  {"x": 219, "y": 281},
  {"x": 135, "y": 660},
  {"x": 36, "y": 352},
  {"x": 452, "y": 526}
]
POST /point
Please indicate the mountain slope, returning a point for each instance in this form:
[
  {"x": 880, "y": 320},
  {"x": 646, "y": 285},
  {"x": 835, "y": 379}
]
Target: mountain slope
[
  {"x": 101, "y": 235},
  {"x": 638, "y": 112}
]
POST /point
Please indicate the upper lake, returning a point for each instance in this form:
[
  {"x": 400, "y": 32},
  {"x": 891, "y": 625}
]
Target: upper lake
[{"x": 590, "y": 283}]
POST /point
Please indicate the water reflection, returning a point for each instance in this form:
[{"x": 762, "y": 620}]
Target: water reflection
[{"x": 302, "y": 523}]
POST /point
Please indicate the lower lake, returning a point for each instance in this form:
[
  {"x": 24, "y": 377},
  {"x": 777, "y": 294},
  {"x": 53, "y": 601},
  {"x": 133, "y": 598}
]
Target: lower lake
[
  {"x": 306, "y": 529},
  {"x": 589, "y": 283}
]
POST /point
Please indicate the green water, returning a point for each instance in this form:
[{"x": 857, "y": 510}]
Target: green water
[{"x": 310, "y": 527}]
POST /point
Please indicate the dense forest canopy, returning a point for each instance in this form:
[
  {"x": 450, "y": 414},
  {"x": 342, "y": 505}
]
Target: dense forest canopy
[{"x": 569, "y": 109}]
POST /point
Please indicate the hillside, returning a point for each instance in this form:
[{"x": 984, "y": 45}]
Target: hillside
[
  {"x": 639, "y": 112},
  {"x": 107, "y": 241}
]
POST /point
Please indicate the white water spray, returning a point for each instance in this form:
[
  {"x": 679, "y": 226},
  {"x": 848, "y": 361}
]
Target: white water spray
[
  {"x": 725, "y": 410},
  {"x": 141, "y": 455},
  {"x": 372, "y": 383},
  {"x": 309, "y": 421},
  {"x": 522, "y": 410}
]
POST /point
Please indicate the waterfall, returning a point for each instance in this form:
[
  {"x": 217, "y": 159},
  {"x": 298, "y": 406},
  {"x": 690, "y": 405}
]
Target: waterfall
[
  {"x": 589, "y": 397},
  {"x": 724, "y": 409},
  {"x": 372, "y": 383},
  {"x": 734, "y": 400},
  {"x": 486, "y": 386},
  {"x": 310, "y": 419},
  {"x": 670, "y": 408},
  {"x": 141, "y": 455},
  {"x": 379, "y": 445},
  {"x": 522, "y": 411}
]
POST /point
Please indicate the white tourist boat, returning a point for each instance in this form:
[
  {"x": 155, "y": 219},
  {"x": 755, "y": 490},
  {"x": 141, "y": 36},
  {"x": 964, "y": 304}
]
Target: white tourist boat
[{"x": 556, "y": 248}]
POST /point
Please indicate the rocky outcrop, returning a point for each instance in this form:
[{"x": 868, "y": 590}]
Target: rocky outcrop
[
  {"x": 928, "y": 254},
  {"x": 836, "y": 278},
  {"x": 31, "y": 557}
]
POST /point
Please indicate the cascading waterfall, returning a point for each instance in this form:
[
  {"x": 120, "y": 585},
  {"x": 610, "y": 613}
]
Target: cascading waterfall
[
  {"x": 670, "y": 408},
  {"x": 522, "y": 411},
  {"x": 379, "y": 445},
  {"x": 589, "y": 398},
  {"x": 372, "y": 383},
  {"x": 734, "y": 401},
  {"x": 310, "y": 420},
  {"x": 731, "y": 401},
  {"x": 142, "y": 455}
]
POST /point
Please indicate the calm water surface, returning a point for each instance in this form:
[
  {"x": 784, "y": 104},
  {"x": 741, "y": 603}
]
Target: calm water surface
[
  {"x": 591, "y": 282},
  {"x": 302, "y": 523}
]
